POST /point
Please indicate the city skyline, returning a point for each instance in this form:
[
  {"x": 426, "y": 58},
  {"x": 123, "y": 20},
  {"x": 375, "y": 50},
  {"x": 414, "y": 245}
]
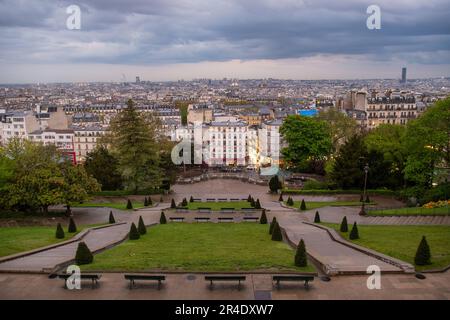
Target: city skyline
[{"x": 173, "y": 40}]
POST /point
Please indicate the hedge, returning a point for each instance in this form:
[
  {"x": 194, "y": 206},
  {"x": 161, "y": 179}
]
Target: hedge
[{"x": 380, "y": 192}]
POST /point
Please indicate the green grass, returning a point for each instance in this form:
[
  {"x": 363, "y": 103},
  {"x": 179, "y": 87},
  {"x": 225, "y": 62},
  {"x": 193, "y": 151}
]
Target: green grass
[
  {"x": 401, "y": 242},
  {"x": 411, "y": 211},
  {"x": 215, "y": 206},
  {"x": 200, "y": 247},
  {"x": 18, "y": 239},
  {"x": 114, "y": 205},
  {"x": 319, "y": 204}
]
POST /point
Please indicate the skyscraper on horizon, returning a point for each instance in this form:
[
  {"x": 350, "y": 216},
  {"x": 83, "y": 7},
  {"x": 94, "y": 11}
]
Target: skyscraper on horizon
[{"x": 403, "y": 75}]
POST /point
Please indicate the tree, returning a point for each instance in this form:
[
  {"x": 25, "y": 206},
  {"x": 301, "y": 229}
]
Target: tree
[
  {"x": 72, "y": 226},
  {"x": 134, "y": 233},
  {"x": 257, "y": 204},
  {"x": 344, "y": 225},
  {"x": 172, "y": 204},
  {"x": 341, "y": 126},
  {"x": 275, "y": 184},
  {"x": 276, "y": 233},
  {"x": 362, "y": 212},
  {"x": 367, "y": 199},
  {"x": 307, "y": 138},
  {"x": 423, "y": 255},
  {"x": 103, "y": 166},
  {"x": 272, "y": 225},
  {"x": 249, "y": 198},
  {"x": 59, "y": 231},
  {"x": 290, "y": 202},
  {"x": 149, "y": 201},
  {"x": 134, "y": 141},
  {"x": 83, "y": 254},
  {"x": 300, "y": 256},
  {"x": 317, "y": 217},
  {"x": 303, "y": 205},
  {"x": 129, "y": 205},
  {"x": 162, "y": 218},
  {"x": 145, "y": 202},
  {"x": 191, "y": 199},
  {"x": 263, "y": 219},
  {"x": 111, "y": 218},
  {"x": 354, "y": 234},
  {"x": 141, "y": 226},
  {"x": 281, "y": 198},
  {"x": 184, "y": 203},
  {"x": 252, "y": 203}
]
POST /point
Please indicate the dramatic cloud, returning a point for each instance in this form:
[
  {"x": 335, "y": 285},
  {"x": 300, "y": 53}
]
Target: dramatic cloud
[{"x": 155, "y": 33}]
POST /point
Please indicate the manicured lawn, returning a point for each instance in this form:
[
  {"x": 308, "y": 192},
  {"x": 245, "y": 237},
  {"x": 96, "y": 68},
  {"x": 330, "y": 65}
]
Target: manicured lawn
[
  {"x": 411, "y": 211},
  {"x": 18, "y": 239},
  {"x": 200, "y": 247},
  {"x": 402, "y": 241},
  {"x": 236, "y": 205},
  {"x": 114, "y": 205},
  {"x": 319, "y": 204}
]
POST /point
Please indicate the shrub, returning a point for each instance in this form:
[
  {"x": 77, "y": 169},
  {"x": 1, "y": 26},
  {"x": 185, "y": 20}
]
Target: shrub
[
  {"x": 184, "y": 203},
  {"x": 59, "y": 231},
  {"x": 303, "y": 205},
  {"x": 145, "y": 202},
  {"x": 354, "y": 234},
  {"x": 290, "y": 202},
  {"x": 281, "y": 198},
  {"x": 361, "y": 198},
  {"x": 276, "y": 233},
  {"x": 315, "y": 185},
  {"x": 162, "y": 218},
  {"x": 249, "y": 198},
  {"x": 129, "y": 204},
  {"x": 274, "y": 184},
  {"x": 191, "y": 199},
  {"x": 362, "y": 212},
  {"x": 344, "y": 225},
  {"x": 172, "y": 204},
  {"x": 367, "y": 199},
  {"x": 111, "y": 217},
  {"x": 263, "y": 219},
  {"x": 317, "y": 217},
  {"x": 149, "y": 201},
  {"x": 134, "y": 233},
  {"x": 300, "y": 256},
  {"x": 72, "y": 226},
  {"x": 423, "y": 255},
  {"x": 141, "y": 226},
  {"x": 257, "y": 204},
  {"x": 83, "y": 254},
  {"x": 161, "y": 199},
  {"x": 253, "y": 203},
  {"x": 272, "y": 225}
]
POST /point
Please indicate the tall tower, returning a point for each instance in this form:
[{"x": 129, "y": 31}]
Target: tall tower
[
  {"x": 403, "y": 75},
  {"x": 138, "y": 80}
]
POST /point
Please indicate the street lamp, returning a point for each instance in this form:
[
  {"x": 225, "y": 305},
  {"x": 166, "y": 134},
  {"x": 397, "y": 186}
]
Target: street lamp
[{"x": 366, "y": 171}]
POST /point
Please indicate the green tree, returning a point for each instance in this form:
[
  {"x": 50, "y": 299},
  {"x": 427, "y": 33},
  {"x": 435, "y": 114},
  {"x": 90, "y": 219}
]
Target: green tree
[
  {"x": 307, "y": 139},
  {"x": 111, "y": 218},
  {"x": 301, "y": 259},
  {"x": 344, "y": 225},
  {"x": 162, "y": 218},
  {"x": 59, "y": 231},
  {"x": 317, "y": 217},
  {"x": 257, "y": 204},
  {"x": 141, "y": 226},
  {"x": 172, "y": 204},
  {"x": 263, "y": 219},
  {"x": 129, "y": 205},
  {"x": 103, "y": 166},
  {"x": 281, "y": 198},
  {"x": 276, "y": 232},
  {"x": 134, "y": 233},
  {"x": 354, "y": 234},
  {"x": 275, "y": 184},
  {"x": 149, "y": 201},
  {"x": 272, "y": 225},
  {"x": 423, "y": 255},
  {"x": 83, "y": 254},
  {"x": 145, "y": 202},
  {"x": 303, "y": 205},
  {"x": 72, "y": 226}
]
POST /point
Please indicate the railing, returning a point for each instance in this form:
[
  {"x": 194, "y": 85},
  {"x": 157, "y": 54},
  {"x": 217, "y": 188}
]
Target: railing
[{"x": 408, "y": 211}]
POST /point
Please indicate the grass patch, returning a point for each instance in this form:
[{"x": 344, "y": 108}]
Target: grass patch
[
  {"x": 442, "y": 211},
  {"x": 401, "y": 242},
  {"x": 200, "y": 247},
  {"x": 216, "y": 206},
  {"x": 319, "y": 204},
  {"x": 114, "y": 205},
  {"x": 380, "y": 192}
]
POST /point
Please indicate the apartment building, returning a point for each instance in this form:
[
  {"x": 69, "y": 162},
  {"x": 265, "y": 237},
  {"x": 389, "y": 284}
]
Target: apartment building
[{"x": 85, "y": 140}]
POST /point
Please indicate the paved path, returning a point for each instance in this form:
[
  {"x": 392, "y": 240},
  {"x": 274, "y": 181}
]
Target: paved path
[{"x": 194, "y": 287}]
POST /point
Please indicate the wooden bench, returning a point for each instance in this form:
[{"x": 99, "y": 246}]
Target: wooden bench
[
  {"x": 222, "y": 199},
  {"x": 148, "y": 277},
  {"x": 234, "y": 199},
  {"x": 225, "y": 219},
  {"x": 181, "y": 210},
  {"x": 210, "y": 200},
  {"x": 201, "y": 219},
  {"x": 305, "y": 278},
  {"x": 251, "y": 219},
  {"x": 238, "y": 278},
  {"x": 179, "y": 219},
  {"x": 83, "y": 276}
]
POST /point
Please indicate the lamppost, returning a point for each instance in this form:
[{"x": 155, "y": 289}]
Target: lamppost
[{"x": 366, "y": 171}]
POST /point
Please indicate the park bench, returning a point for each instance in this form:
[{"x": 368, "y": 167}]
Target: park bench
[
  {"x": 147, "y": 277},
  {"x": 177, "y": 219},
  {"x": 180, "y": 210},
  {"x": 197, "y": 200},
  {"x": 201, "y": 219},
  {"x": 234, "y": 199},
  {"x": 210, "y": 200},
  {"x": 222, "y": 199},
  {"x": 248, "y": 210},
  {"x": 238, "y": 278},
  {"x": 83, "y": 276},
  {"x": 251, "y": 219},
  {"x": 221, "y": 219},
  {"x": 305, "y": 278}
]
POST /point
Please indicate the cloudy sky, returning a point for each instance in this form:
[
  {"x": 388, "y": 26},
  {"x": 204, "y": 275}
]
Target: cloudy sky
[{"x": 185, "y": 39}]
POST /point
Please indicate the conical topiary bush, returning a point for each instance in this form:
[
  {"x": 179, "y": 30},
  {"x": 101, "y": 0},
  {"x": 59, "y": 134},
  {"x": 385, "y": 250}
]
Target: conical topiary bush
[
  {"x": 145, "y": 202},
  {"x": 72, "y": 226},
  {"x": 263, "y": 219},
  {"x": 301, "y": 259},
  {"x": 141, "y": 226},
  {"x": 83, "y": 254},
  {"x": 129, "y": 204},
  {"x": 249, "y": 198},
  {"x": 134, "y": 233},
  {"x": 272, "y": 225},
  {"x": 149, "y": 201},
  {"x": 276, "y": 233},
  {"x": 111, "y": 217},
  {"x": 59, "y": 231},
  {"x": 344, "y": 225},
  {"x": 257, "y": 204},
  {"x": 423, "y": 254},
  {"x": 191, "y": 199},
  {"x": 303, "y": 205},
  {"x": 173, "y": 205},
  {"x": 280, "y": 199},
  {"x": 317, "y": 217},
  {"x": 354, "y": 234},
  {"x": 162, "y": 218}
]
